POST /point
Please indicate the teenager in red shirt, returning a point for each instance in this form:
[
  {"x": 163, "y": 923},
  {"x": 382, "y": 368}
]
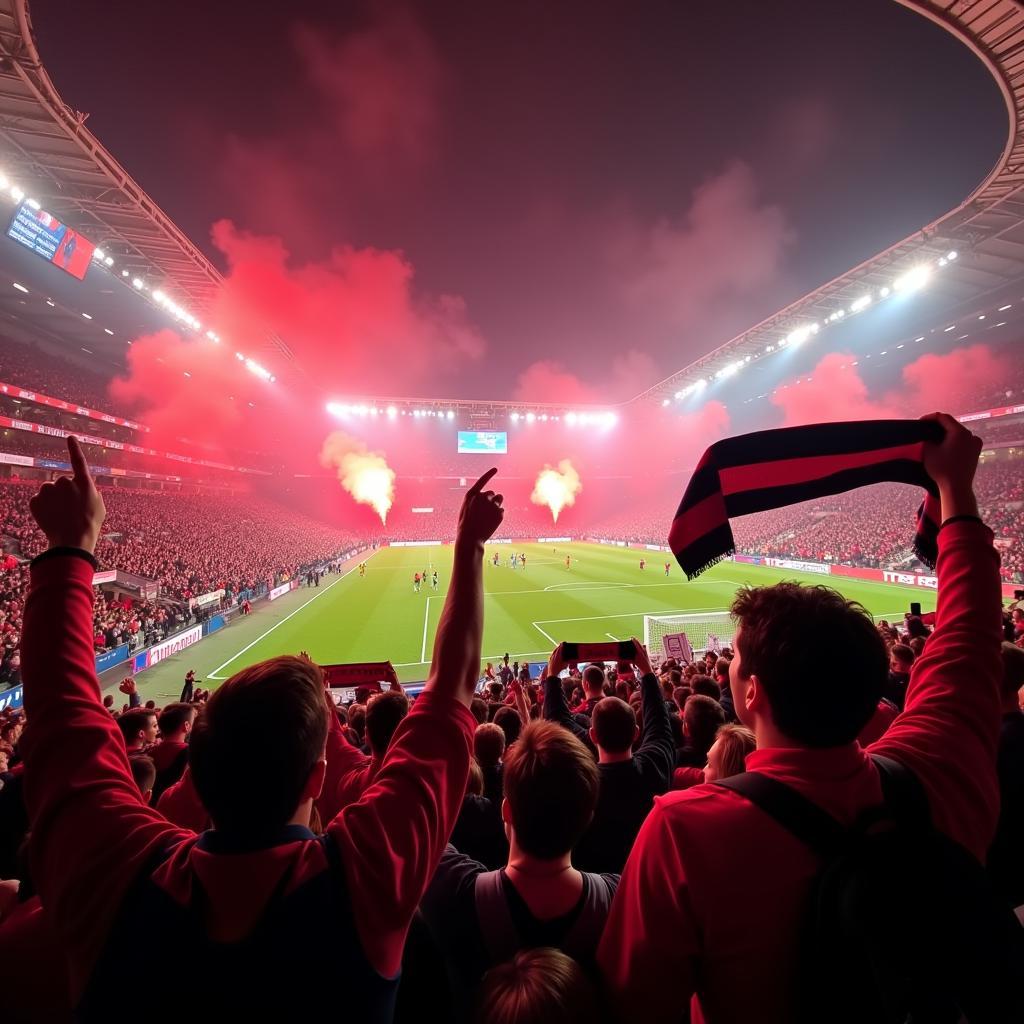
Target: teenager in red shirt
[
  {"x": 260, "y": 902},
  {"x": 712, "y": 894}
]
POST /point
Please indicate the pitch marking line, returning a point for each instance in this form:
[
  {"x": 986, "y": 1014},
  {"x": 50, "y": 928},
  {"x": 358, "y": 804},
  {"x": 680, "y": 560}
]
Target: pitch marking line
[
  {"x": 247, "y": 647},
  {"x": 426, "y": 621}
]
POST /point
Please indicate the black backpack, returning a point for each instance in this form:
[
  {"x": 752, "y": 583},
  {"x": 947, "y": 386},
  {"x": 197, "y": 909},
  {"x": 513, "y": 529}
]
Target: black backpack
[{"x": 902, "y": 924}]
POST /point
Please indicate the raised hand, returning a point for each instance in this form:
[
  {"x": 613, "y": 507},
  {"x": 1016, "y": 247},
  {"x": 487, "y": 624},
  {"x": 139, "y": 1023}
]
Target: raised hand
[
  {"x": 641, "y": 660},
  {"x": 70, "y": 510},
  {"x": 127, "y": 685},
  {"x": 951, "y": 463},
  {"x": 481, "y": 512}
]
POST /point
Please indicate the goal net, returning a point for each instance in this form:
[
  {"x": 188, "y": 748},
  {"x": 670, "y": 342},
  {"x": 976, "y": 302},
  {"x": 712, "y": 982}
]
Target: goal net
[{"x": 709, "y": 631}]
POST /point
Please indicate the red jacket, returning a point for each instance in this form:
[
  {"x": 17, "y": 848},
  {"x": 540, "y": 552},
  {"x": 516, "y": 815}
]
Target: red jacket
[
  {"x": 92, "y": 834},
  {"x": 712, "y": 892}
]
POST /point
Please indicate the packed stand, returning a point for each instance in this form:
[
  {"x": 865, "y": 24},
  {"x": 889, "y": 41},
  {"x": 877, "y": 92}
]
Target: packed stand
[{"x": 618, "y": 839}]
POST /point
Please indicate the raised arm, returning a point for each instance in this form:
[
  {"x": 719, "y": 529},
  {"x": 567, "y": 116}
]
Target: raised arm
[
  {"x": 456, "y": 662},
  {"x": 952, "y": 700},
  {"x": 91, "y": 832},
  {"x": 391, "y": 840},
  {"x": 656, "y": 754},
  {"x": 556, "y": 707}
]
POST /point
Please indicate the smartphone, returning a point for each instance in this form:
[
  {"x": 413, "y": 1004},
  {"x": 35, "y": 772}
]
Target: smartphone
[
  {"x": 610, "y": 650},
  {"x": 915, "y": 608}
]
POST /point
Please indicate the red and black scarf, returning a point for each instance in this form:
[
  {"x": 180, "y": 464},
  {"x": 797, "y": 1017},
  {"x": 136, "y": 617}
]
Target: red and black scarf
[{"x": 773, "y": 468}]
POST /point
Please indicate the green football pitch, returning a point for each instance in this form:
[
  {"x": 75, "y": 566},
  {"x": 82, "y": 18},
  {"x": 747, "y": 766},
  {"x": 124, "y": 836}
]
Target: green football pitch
[{"x": 603, "y": 595}]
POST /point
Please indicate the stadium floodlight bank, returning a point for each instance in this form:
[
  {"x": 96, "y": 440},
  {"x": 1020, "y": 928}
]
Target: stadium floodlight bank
[{"x": 708, "y": 631}]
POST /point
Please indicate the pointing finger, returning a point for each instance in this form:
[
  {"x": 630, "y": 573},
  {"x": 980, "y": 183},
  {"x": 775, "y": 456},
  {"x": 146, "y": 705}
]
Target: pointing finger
[
  {"x": 479, "y": 485},
  {"x": 78, "y": 463}
]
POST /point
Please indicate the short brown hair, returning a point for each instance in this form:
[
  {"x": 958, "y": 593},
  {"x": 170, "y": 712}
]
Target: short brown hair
[
  {"x": 132, "y": 721},
  {"x": 593, "y": 679},
  {"x": 475, "y": 784},
  {"x": 276, "y": 705},
  {"x": 507, "y": 719},
  {"x": 537, "y": 986},
  {"x": 902, "y": 653},
  {"x": 722, "y": 667},
  {"x": 143, "y": 772},
  {"x": 383, "y": 713},
  {"x": 703, "y": 716},
  {"x": 614, "y": 724},
  {"x": 550, "y": 781},
  {"x": 707, "y": 686},
  {"x": 488, "y": 744},
  {"x": 817, "y": 704},
  {"x": 478, "y": 706},
  {"x": 736, "y": 742},
  {"x": 174, "y": 716}
]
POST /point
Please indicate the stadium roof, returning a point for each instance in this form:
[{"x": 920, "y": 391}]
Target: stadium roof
[
  {"x": 47, "y": 148},
  {"x": 986, "y": 231}
]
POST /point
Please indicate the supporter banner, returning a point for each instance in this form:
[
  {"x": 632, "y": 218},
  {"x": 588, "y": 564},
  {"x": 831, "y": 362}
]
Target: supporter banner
[
  {"x": 422, "y": 511},
  {"x": 204, "y": 599},
  {"x": 822, "y": 568},
  {"x": 78, "y": 410},
  {"x": 175, "y": 645},
  {"x": 748, "y": 559},
  {"x": 655, "y": 547},
  {"x": 12, "y": 698},
  {"x": 677, "y": 645},
  {"x": 369, "y": 673},
  {"x": 554, "y": 540},
  {"x": 416, "y": 543},
  {"x": 16, "y": 460},
  {"x": 280, "y": 591},
  {"x": 111, "y": 658},
  {"x": 499, "y": 540},
  {"x": 991, "y": 414},
  {"x": 106, "y": 576},
  {"x": 905, "y": 579}
]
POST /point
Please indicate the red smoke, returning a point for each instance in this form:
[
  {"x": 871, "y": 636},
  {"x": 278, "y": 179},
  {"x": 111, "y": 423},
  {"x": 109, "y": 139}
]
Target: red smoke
[{"x": 836, "y": 391}]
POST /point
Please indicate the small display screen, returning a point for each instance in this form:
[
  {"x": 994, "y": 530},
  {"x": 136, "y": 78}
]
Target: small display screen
[
  {"x": 55, "y": 242},
  {"x": 486, "y": 442}
]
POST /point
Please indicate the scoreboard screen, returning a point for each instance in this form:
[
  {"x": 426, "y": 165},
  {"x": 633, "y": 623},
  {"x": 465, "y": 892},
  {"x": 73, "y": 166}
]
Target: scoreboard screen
[
  {"x": 55, "y": 242},
  {"x": 483, "y": 442}
]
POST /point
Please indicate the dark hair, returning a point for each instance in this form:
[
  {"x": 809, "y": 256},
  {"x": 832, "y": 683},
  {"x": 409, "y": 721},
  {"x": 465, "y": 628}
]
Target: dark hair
[
  {"x": 676, "y": 676},
  {"x": 508, "y": 720},
  {"x": 593, "y": 679},
  {"x": 722, "y": 667},
  {"x": 143, "y": 772},
  {"x": 902, "y": 653},
  {"x": 174, "y": 716},
  {"x": 537, "y": 986},
  {"x": 819, "y": 704},
  {"x": 357, "y": 720},
  {"x": 495, "y": 689},
  {"x": 488, "y": 744},
  {"x": 133, "y": 721},
  {"x": 276, "y": 705},
  {"x": 550, "y": 781},
  {"x": 680, "y": 695},
  {"x": 383, "y": 714},
  {"x": 707, "y": 686},
  {"x": 703, "y": 717},
  {"x": 622, "y": 690},
  {"x": 478, "y": 706},
  {"x": 1013, "y": 671},
  {"x": 614, "y": 725}
]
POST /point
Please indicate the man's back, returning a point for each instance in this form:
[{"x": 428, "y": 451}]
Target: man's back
[{"x": 713, "y": 890}]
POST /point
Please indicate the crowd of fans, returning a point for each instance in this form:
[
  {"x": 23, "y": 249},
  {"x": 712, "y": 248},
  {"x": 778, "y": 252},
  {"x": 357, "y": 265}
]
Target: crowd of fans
[{"x": 613, "y": 840}]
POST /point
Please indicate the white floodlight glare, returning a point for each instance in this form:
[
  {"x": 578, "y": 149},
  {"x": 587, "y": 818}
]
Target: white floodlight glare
[
  {"x": 392, "y": 412},
  {"x": 4, "y": 183},
  {"x": 108, "y": 260},
  {"x": 912, "y": 279},
  {"x": 98, "y": 254},
  {"x": 34, "y": 203},
  {"x": 20, "y": 287},
  {"x": 451, "y": 414},
  {"x": 952, "y": 255},
  {"x": 137, "y": 282},
  {"x": 514, "y": 417},
  {"x": 16, "y": 194},
  {"x": 336, "y": 408},
  {"x": 570, "y": 418},
  {"x": 530, "y": 417},
  {"x": 664, "y": 402},
  {"x": 862, "y": 303}
]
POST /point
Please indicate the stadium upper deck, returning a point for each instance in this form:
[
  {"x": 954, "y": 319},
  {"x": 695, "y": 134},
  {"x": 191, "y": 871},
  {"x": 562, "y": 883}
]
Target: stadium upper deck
[{"x": 975, "y": 251}]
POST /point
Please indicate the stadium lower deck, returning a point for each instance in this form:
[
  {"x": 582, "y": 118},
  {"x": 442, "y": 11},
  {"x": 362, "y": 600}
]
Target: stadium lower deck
[{"x": 602, "y": 595}]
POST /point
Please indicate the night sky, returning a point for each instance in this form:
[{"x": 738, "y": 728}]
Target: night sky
[{"x": 613, "y": 188}]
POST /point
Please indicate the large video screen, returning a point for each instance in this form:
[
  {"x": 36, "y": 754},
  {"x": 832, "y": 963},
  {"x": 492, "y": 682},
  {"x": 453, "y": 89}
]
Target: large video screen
[
  {"x": 483, "y": 442},
  {"x": 44, "y": 234}
]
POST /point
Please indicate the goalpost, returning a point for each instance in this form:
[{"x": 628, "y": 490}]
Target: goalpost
[{"x": 704, "y": 632}]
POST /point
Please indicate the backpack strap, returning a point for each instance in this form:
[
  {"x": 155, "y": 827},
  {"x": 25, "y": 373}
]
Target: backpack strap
[
  {"x": 794, "y": 812},
  {"x": 494, "y": 917},
  {"x": 902, "y": 793},
  {"x": 592, "y": 916}
]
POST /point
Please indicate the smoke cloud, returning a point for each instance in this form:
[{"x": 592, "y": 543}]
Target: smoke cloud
[
  {"x": 557, "y": 488},
  {"x": 364, "y": 474}
]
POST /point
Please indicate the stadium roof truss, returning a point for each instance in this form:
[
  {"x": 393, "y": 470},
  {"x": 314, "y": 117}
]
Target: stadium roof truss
[
  {"x": 47, "y": 147},
  {"x": 986, "y": 230}
]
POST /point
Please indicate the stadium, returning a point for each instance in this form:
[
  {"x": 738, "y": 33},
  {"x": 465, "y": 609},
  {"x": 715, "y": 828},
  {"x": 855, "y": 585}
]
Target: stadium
[{"x": 289, "y": 455}]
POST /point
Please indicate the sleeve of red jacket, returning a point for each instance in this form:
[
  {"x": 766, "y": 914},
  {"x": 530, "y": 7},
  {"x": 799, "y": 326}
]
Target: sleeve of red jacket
[
  {"x": 91, "y": 832},
  {"x": 342, "y": 758},
  {"x": 651, "y": 932},
  {"x": 949, "y": 730},
  {"x": 392, "y": 839}
]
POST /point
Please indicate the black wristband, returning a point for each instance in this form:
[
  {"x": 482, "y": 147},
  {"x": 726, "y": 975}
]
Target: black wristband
[{"x": 64, "y": 552}]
